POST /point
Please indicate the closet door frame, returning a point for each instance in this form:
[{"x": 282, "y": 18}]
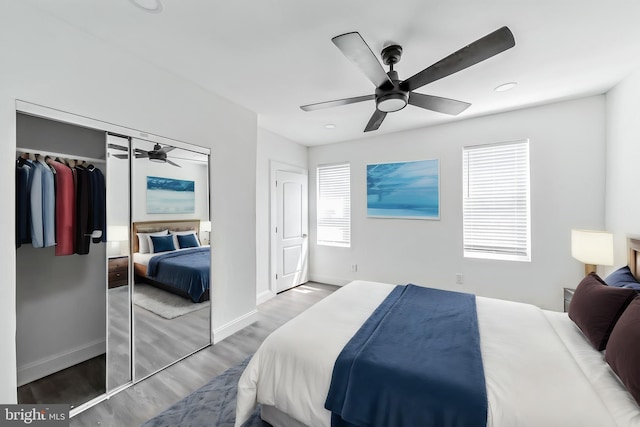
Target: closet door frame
[{"x": 28, "y": 108}]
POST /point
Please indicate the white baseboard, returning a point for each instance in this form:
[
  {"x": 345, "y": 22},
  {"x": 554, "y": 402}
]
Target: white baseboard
[
  {"x": 264, "y": 297},
  {"x": 41, "y": 368},
  {"x": 337, "y": 281},
  {"x": 234, "y": 326}
]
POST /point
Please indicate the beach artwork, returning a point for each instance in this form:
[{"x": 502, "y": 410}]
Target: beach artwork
[
  {"x": 409, "y": 190},
  {"x": 170, "y": 196}
]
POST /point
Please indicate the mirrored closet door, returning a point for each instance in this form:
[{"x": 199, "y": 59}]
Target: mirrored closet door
[
  {"x": 113, "y": 265},
  {"x": 170, "y": 253},
  {"x": 119, "y": 366}
]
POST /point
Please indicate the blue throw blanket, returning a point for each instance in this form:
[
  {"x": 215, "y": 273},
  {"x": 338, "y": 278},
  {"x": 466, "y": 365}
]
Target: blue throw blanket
[
  {"x": 186, "y": 269},
  {"x": 415, "y": 362}
]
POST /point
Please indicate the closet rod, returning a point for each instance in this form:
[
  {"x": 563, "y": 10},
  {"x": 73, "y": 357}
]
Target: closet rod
[{"x": 63, "y": 155}]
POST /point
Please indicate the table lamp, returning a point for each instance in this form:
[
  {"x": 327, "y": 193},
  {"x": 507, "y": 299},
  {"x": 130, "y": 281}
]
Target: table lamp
[
  {"x": 593, "y": 248},
  {"x": 205, "y": 226},
  {"x": 116, "y": 234}
]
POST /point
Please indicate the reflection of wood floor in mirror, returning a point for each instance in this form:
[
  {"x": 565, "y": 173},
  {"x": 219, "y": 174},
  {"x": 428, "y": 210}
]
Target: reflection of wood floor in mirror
[
  {"x": 161, "y": 341},
  {"x": 146, "y": 399}
]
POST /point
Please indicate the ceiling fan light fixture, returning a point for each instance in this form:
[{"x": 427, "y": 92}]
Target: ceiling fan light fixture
[
  {"x": 153, "y": 6},
  {"x": 390, "y": 102},
  {"x": 506, "y": 86},
  {"x": 157, "y": 160}
]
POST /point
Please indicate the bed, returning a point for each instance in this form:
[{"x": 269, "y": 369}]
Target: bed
[
  {"x": 539, "y": 368},
  {"x": 184, "y": 272}
]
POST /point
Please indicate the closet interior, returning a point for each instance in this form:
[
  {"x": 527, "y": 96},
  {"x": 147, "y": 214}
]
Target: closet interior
[
  {"x": 60, "y": 262},
  {"x": 86, "y": 325}
]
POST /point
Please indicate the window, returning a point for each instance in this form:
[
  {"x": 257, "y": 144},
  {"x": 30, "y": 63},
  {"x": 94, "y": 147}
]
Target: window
[
  {"x": 496, "y": 207},
  {"x": 334, "y": 205}
]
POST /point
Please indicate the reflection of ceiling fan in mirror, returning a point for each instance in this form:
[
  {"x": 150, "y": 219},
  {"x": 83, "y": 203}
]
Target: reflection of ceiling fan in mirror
[{"x": 158, "y": 154}]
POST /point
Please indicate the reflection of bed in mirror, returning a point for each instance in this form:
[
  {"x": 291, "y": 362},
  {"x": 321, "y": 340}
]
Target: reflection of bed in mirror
[{"x": 183, "y": 269}]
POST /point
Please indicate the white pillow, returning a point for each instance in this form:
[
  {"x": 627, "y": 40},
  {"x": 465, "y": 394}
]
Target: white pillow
[
  {"x": 182, "y": 233},
  {"x": 144, "y": 241}
]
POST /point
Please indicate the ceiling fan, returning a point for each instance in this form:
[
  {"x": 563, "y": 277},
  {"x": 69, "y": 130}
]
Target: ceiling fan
[
  {"x": 393, "y": 94},
  {"x": 158, "y": 154}
]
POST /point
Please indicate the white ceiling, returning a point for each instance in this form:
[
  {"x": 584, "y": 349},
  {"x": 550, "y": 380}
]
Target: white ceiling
[{"x": 271, "y": 56}]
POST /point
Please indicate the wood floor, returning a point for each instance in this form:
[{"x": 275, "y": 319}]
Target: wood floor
[
  {"x": 74, "y": 386},
  {"x": 138, "y": 403}
]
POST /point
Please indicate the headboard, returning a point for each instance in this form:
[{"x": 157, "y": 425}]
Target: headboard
[
  {"x": 633, "y": 245},
  {"x": 151, "y": 226}
]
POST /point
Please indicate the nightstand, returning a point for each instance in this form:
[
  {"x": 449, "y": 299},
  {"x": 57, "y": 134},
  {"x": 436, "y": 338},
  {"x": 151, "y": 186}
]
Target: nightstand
[
  {"x": 568, "y": 294},
  {"x": 118, "y": 271}
]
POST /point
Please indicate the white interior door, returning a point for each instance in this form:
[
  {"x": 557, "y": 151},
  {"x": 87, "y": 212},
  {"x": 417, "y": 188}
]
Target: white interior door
[{"x": 292, "y": 228}]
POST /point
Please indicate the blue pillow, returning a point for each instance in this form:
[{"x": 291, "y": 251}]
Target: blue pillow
[
  {"x": 187, "y": 241},
  {"x": 623, "y": 278},
  {"x": 162, "y": 244}
]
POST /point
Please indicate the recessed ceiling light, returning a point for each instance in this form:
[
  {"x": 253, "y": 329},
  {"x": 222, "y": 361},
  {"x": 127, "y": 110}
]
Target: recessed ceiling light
[
  {"x": 154, "y": 6},
  {"x": 505, "y": 87},
  {"x": 329, "y": 126}
]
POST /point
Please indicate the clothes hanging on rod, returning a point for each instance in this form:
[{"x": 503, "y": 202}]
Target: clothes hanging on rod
[
  {"x": 65, "y": 208},
  {"x": 60, "y": 205},
  {"x": 24, "y": 176}
]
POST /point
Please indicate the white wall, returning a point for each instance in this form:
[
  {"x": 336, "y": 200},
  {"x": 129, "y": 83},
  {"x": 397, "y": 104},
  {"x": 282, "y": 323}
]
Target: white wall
[
  {"x": 622, "y": 206},
  {"x": 48, "y": 62},
  {"x": 191, "y": 171},
  {"x": 291, "y": 156},
  {"x": 567, "y": 143}
]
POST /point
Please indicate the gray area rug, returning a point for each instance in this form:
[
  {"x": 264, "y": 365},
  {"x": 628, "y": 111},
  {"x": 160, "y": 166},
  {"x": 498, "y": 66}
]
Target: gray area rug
[
  {"x": 164, "y": 303},
  {"x": 212, "y": 405}
]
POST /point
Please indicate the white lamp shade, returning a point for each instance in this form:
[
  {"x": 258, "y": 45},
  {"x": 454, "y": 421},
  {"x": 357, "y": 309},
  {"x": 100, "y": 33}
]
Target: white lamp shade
[
  {"x": 117, "y": 233},
  {"x": 205, "y": 225},
  {"x": 592, "y": 247}
]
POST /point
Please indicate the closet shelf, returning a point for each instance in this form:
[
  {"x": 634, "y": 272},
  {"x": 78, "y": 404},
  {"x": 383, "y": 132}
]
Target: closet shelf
[{"x": 63, "y": 155}]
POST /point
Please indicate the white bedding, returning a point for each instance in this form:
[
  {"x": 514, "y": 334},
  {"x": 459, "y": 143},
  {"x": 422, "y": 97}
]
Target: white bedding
[
  {"x": 140, "y": 258},
  {"x": 539, "y": 369}
]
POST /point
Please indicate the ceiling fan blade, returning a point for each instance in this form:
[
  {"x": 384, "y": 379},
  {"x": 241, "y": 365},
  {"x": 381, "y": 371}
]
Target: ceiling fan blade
[
  {"x": 141, "y": 154},
  {"x": 436, "y": 103},
  {"x": 484, "y": 48},
  {"x": 117, "y": 147},
  {"x": 167, "y": 148},
  {"x": 358, "y": 51},
  {"x": 337, "y": 102},
  {"x": 375, "y": 121},
  {"x": 173, "y": 163},
  {"x": 121, "y": 156}
]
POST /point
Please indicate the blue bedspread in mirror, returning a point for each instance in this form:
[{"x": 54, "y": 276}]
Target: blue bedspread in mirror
[{"x": 186, "y": 269}]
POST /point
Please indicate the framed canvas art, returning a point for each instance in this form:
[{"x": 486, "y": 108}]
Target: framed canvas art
[
  {"x": 170, "y": 196},
  {"x": 409, "y": 190}
]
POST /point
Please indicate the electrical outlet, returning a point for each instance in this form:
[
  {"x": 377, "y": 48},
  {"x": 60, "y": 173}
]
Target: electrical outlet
[
  {"x": 459, "y": 279},
  {"x": 354, "y": 268}
]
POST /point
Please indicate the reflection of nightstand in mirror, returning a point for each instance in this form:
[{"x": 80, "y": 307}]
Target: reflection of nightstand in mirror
[
  {"x": 118, "y": 271},
  {"x": 568, "y": 294}
]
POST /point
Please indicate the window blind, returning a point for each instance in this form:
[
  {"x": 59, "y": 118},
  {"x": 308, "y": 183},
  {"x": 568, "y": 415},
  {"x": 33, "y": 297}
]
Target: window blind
[
  {"x": 334, "y": 205},
  {"x": 496, "y": 206}
]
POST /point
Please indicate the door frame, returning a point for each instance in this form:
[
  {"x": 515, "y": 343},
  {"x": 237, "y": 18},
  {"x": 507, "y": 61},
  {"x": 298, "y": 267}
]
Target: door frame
[{"x": 274, "y": 167}]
